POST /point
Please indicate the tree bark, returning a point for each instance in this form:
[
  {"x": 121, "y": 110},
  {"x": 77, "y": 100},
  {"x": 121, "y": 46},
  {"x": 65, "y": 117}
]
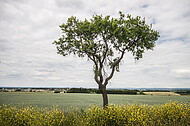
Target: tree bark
[{"x": 104, "y": 95}]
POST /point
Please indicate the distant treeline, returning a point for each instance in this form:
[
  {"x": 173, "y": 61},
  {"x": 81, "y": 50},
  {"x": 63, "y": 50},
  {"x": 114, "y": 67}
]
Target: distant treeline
[
  {"x": 121, "y": 91},
  {"x": 97, "y": 91},
  {"x": 183, "y": 92},
  {"x": 78, "y": 90}
]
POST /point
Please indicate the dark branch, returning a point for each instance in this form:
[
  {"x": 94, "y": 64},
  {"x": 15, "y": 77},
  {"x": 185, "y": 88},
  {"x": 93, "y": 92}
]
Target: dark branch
[
  {"x": 113, "y": 68},
  {"x": 106, "y": 45}
]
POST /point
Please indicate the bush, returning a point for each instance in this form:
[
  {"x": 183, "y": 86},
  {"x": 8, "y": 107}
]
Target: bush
[
  {"x": 78, "y": 90},
  {"x": 97, "y": 91},
  {"x": 172, "y": 114},
  {"x": 18, "y": 90},
  {"x": 141, "y": 93},
  {"x": 57, "y": 91},
  {"x": 130, "y": 92},
  {"x": 4, "y": 91}
]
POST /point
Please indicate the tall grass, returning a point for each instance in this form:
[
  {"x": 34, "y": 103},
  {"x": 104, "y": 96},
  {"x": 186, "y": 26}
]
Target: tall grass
[{"x": 172, "y": 113}]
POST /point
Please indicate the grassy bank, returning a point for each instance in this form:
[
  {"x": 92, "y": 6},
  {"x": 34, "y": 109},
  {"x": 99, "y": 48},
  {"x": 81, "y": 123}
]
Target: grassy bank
[{"x": 173, "y": 113}]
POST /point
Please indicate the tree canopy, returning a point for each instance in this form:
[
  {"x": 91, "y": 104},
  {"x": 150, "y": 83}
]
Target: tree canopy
[{"x": 105, "y": 41}]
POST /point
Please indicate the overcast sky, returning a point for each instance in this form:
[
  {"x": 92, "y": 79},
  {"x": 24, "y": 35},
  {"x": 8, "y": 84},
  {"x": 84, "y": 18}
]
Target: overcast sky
[{"x": 28, "y": 57}]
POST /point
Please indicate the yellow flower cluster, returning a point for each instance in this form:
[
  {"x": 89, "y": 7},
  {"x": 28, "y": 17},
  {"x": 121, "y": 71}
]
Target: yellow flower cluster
[
  {"x": 30, "y": 116},
  {"x": 172, "y": 113}
]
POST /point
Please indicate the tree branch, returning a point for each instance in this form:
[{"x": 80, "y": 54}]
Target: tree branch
[
  {"x": 113, "y": 68},
  {"x": 96, "y": 79},
  {"x": 106, "y": 44},
  {"x": 100, "y": 72}
]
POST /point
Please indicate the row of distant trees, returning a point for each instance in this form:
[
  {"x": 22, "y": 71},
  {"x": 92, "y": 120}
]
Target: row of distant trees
[
  {"x": 97, "y": 91},
  {"x": 121, "y": 91}
]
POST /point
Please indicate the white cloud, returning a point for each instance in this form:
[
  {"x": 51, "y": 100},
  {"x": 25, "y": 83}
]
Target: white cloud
[
  {"x": 158, "y": 68},
  {"x": 182, "y": 73},
  {"x": 28, "y": 57}
]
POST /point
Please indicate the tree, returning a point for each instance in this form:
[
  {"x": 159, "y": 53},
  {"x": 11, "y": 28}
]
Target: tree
[{"x": 105, "y": 41}]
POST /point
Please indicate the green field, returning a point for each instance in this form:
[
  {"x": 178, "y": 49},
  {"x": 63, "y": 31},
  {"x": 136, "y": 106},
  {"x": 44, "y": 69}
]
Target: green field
[{"x": 80, "y": 100}]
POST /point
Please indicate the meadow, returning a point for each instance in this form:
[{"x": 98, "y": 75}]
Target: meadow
[{"x": 79, "y": 100}]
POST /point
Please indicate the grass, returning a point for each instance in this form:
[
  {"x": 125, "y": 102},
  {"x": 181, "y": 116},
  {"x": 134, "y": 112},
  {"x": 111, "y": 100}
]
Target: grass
[{"x": 81, "y": 101}]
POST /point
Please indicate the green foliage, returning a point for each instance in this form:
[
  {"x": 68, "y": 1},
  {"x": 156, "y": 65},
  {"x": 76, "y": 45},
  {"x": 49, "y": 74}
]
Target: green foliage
[
  {"x": 130, "y": 92},
  {"x": 172, "y": 113},
  {"x": 57, "y": 91},
  {"x": 97, "y": 91},
  {"x": 105, "y": 40},
  {"x": 18, "y": 90},
  {"x": 183, "y": 92},
  {"x": 78, "y": 90},
  {"x": 91, "y": 37}
]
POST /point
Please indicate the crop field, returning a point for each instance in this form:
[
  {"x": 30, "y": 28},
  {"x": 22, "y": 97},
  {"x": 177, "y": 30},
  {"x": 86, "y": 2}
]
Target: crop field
[
  {"x": 162, "y": 93},
  {"x": 80, "y": 100}
]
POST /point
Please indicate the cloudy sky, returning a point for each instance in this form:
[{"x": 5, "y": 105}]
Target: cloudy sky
[{"x": 28, "y": 58}]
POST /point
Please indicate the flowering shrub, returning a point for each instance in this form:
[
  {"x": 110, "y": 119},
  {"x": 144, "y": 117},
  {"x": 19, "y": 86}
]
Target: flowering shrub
[{"x": 172, "y": 113}]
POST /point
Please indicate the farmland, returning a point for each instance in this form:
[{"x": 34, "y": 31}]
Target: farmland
[
  {"x": 162, "y": 93},
  {"x": 80, "y": 100}
]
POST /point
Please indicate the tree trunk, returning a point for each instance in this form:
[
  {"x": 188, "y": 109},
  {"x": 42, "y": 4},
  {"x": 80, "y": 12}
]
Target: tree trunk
[{"x": 104, "y": 95}]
